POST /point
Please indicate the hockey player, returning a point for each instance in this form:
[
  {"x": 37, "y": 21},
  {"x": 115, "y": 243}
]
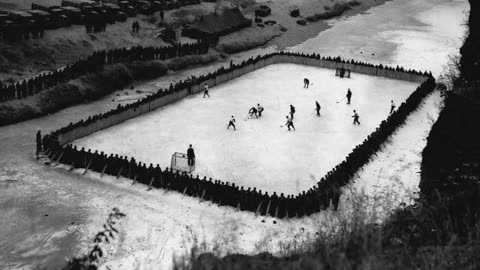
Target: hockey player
[
  {"x": 355, "y": 118},
  {"x": 289, "y": 123},
  {"x": 39, "y": 142},
  {"x": 231, "y": 123},
  {"x": 292, "y": 111},
  {"x": 260, "y": 110},
  {"x": 349, "y": 96},
  {"x": 392, "y": 107},
  {"x": 190, "y": 156},
  {"x": 317, "y": 108},
  {"x": 306, "y": 83},
  {"x": 253, "y": 111},
  {"x": 206, "y": 91}
]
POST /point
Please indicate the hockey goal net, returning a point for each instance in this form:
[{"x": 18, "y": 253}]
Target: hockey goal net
[
  {"x": 342, "y": 72},
  {"x": 180, "y": 163}
]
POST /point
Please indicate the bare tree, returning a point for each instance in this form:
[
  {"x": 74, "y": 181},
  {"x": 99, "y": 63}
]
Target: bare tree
[{"x": 451, "y": 71}]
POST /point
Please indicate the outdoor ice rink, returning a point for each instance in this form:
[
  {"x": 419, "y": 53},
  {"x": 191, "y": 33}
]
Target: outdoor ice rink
[{"x": 260, "y": 153}]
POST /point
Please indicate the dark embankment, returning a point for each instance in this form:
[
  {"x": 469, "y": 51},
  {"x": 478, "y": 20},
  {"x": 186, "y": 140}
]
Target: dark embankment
[
  {"x": 450, "y": 184},
  {"x": 470, "y": 51},
  {"x": 447, "y": 215},
  {"x": 93, "y": 86}
]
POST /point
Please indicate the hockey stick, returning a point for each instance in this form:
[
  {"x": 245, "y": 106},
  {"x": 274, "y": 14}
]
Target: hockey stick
[{"x": 341, "y": 100}]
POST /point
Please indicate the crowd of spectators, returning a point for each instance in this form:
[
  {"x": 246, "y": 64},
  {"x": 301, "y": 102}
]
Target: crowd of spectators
[
  {"x": 326, "y": 193},
  {"x": 95, "y": 63}
]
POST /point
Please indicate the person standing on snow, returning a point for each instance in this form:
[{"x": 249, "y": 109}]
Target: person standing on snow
[
  {"x": 355, "y": 118},
  {"x": 317, "y": 108},
  {"x": 349, "y": 96},
  {"x": 191, "y": 156}
]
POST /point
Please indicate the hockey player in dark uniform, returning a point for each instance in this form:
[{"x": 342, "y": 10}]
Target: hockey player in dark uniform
[
  {"x": 206, "y": 91},
  {"x": 306, "y": 83},
  {"x": 253, "y": 111},
  {"x": 349, "y": 96},
  {"x": 39, "y": 142},
  {"x": 260, "y": 110},
  {"x": 317, "y": 108},
  {"x": 292, "y": 111},
  {"x": 355, "y": 118},
  {"x": 392, "y": 107},
  {"x": 231, "y": 123},
  {"x": 190, "y": 156},
  {"x": 289, "y": 123}
]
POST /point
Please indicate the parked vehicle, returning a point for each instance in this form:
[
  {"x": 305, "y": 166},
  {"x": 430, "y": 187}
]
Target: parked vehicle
[
  {"x": 59, "y": 17},
  {"x": 127, "y": 8},
  {"x": 115, "y": 12},
  {"x": 83, "y": 5},
  {"x": 75, "y": 14},
  {"x": 20, "y": 16},
  {"x": 143, "y": 7},
  {"x": 3, "y": 17},
  {"x": 42, "y": 18}
]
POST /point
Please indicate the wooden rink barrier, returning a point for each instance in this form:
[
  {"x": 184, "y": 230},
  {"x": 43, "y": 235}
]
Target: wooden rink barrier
[
  {"x": 272, "y": 59},
  {"x": 314, "y": 200}
]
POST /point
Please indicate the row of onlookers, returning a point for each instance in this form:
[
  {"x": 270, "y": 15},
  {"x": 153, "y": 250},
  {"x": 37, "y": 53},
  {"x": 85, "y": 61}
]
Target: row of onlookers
[
  {"x": 15, "y": 25},
  {"x": 326, "y": 193}
]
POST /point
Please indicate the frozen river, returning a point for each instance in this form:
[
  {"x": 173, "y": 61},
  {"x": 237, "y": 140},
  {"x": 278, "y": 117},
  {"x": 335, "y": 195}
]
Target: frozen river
[{"x": 417, "y": 34}]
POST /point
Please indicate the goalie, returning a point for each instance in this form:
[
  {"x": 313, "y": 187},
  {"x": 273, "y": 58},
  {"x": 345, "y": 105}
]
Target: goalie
[
  {"x": 191, "y": 156},
  {"x": 342, "y": 72}
]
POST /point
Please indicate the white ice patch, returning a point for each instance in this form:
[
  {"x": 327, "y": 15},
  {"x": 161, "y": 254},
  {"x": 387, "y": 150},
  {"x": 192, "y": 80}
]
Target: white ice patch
[{"x": 261, "y": 153}]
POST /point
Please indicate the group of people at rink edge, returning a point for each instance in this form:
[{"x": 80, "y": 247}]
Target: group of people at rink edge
[
  {"x": 326, "y": 192},
  {"x": 257, "y": 111},
  {"x": 95, "y": 63},
  {"x": 217, "y": 191}
]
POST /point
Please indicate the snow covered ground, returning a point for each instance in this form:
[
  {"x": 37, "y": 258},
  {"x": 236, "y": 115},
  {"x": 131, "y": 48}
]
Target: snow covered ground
[{"x": 260, "y": 153}]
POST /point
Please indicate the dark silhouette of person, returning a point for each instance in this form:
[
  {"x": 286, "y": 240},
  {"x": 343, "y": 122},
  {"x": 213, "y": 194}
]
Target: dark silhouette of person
[
  {"x": 317, "y": 108},
  {"x": 39, "y": 142},
  {"x": 306, "y": 83},
  {"x": 191, "y": 156},
  {"x": 231, "y": 123},
  {"x": 349, "y": 96},
  {"x": 392, "y": 107},
  {"x": 355, "y": 118}
]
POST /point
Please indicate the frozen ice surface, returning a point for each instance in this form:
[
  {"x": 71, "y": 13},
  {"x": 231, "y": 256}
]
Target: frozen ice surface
[
  {"x": 260, "y": 153},
  {"x": 418, "y": 34}
]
